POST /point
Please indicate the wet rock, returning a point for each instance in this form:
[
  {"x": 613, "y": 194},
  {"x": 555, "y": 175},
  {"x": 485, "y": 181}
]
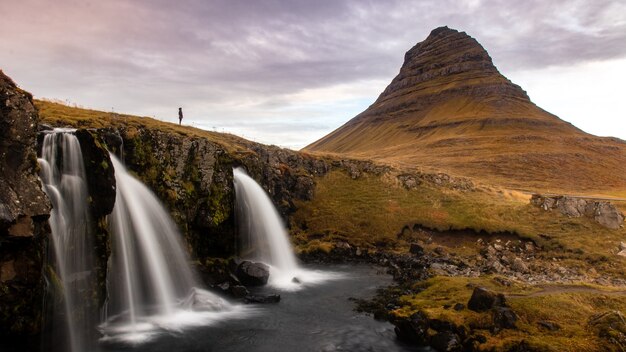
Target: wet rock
[
  {"x": 413, "y": 329},
  {"x": 238, "y": 291},
  {"x": 253, "y": 274},
  {"x": 273, "y": 298},
  {"x": 446, "y": 341},
  {"x": 483, "y": 299},
  {"x": 101, "y": 175}
]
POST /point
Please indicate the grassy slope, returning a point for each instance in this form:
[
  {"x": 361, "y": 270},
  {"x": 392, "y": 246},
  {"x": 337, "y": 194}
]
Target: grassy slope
[
  {"x": 56, "y": 114},
  {"x": 512, "y": 154}
]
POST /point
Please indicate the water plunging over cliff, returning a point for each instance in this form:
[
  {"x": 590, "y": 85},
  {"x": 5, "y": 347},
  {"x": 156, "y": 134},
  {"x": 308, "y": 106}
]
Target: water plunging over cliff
[
  {"x": 151, "y": 285},
  {"x": 263, "y": 236},
  {"x": 71, "y": 254}
]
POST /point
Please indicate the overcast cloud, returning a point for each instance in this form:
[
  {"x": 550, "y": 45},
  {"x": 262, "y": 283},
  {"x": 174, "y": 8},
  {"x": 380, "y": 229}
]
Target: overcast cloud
[{"x": 288, "y": 72}]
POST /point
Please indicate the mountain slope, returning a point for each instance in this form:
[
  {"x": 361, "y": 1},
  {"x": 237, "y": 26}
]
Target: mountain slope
[{"x": 449, "y": 109}]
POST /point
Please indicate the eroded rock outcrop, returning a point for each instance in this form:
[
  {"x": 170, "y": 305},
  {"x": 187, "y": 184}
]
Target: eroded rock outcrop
[
  {"x": 602, "y": 212},
  {"x": 24, "y": 211}
]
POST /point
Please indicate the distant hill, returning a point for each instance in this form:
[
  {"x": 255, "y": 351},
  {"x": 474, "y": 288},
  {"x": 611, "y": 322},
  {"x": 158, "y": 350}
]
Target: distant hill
[{"x": 449, "y": 109}]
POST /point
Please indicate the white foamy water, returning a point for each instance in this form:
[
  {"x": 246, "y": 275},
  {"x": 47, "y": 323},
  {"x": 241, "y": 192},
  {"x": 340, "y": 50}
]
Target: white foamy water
[
  {"x": 263, "y": 237},
  {"x": 152, "y": 288},
  {"x": 64, "y": 181}
]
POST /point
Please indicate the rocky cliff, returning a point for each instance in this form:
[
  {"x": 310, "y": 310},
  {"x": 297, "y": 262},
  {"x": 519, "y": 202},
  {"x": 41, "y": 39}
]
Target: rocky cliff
[
  {"x": 449, "y": 109},
  {"x": 24, "y": 211}
]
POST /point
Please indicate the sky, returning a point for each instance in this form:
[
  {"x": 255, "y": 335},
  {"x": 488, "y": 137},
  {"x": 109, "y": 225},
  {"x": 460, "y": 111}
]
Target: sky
[{"x": 287, "y": 72}]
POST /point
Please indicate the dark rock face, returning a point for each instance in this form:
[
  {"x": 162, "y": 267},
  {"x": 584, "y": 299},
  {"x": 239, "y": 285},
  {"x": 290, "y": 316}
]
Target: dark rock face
[
  {"x": 100, "y": 173},
  {"x": 193, "y": 177},
  {"x": 24, "y": 210},
  {"x": 253, "y": 274},
  {"x": 483, "y": 299},
  {"x": 602, "y": 212}
]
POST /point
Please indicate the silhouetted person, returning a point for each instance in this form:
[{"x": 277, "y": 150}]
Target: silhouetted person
[{"x": 180, "y": 116}]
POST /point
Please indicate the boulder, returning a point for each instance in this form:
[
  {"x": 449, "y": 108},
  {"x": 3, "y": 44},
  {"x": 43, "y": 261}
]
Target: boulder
[
  {"x": 446, "y": 341},
  {"x": 252, "y": 273},
  {"x": 610, "y": 325},
  {"x": 483, "y": 299},
  {"x": 604, "y": 213},
  {"x": 413, "y": 329},
  {"x": 607, "y": 215},
  {"x": 503, "y": 318}
]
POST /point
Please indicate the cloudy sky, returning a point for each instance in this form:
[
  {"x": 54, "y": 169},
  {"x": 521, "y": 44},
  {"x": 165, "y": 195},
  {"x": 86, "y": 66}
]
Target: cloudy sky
[{"x": 288, "y": 72}]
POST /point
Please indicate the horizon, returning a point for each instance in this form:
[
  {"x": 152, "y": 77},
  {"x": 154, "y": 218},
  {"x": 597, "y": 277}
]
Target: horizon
[{"x": 288, "y": 73}]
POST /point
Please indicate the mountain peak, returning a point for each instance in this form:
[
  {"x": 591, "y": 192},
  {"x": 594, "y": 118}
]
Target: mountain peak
[
  {"x": 449, "y": 60},
  {"x": 450, "y": 109}
]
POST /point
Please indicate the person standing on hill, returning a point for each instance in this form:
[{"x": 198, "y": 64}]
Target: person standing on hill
[{"x": 180, "y": 116}]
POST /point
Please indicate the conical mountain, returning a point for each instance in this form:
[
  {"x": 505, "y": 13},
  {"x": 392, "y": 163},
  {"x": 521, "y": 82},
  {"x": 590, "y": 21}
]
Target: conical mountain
[{"x": 449, "y": 109}]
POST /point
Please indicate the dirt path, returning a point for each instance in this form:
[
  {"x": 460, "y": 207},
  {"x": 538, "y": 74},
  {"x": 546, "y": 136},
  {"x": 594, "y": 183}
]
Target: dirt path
[{"x": 550, "y": 290}]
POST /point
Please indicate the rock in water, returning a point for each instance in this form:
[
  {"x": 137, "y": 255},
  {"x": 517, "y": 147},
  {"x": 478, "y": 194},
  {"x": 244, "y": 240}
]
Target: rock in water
[
  {"x": 274, "y": 298},
  {"x": 253, "y": 274}
]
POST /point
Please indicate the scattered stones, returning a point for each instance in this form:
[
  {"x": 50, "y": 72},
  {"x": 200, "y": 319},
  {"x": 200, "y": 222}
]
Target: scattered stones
[{"x": 253, "y": 274}]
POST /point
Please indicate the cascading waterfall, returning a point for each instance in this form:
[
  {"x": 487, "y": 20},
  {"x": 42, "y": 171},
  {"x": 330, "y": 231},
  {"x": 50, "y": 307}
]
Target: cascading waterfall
[
  {"x": 63, "y": 178},
  {"x": 151, "y": 285},
  {"x": 263, "y": 236}
]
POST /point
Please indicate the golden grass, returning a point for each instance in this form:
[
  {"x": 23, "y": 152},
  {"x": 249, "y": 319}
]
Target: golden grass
[
  {"x": 515, "y": 145},
  {"x": 58, "y": 115},
  {"x": 570, "y": 310},
  {"x": 374, "y": 209}
]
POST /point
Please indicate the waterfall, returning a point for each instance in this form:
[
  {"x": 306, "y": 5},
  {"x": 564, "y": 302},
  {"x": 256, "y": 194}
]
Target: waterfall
[
  {"x": 151, "y": 284},
  {"x": 71, "y": 245},
  {"x": 263, "y": 236}
]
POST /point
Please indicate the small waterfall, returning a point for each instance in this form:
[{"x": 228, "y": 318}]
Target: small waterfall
[
  {"x": 63, "y": 178},
  {"x": 263, "y": 236},
  {"x": 151, "y": 284}
]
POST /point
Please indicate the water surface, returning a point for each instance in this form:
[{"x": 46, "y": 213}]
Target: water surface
[{"x": 319, "y": 317}]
